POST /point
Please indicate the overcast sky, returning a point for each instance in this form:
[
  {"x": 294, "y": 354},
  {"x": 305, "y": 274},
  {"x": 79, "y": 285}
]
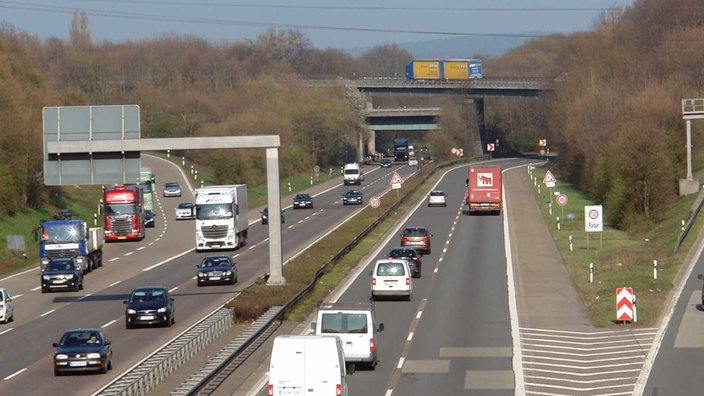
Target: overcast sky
[{"x": 337, "y": 24}]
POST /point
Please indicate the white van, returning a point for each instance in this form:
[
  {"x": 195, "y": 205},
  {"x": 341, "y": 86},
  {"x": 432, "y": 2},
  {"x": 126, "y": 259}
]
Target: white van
[
  {"x": 355, "y": 324},
  {"x": 352, "y": 174},
  {"x": 309, "y": 365},
  {"x": 391, "y": 278}
]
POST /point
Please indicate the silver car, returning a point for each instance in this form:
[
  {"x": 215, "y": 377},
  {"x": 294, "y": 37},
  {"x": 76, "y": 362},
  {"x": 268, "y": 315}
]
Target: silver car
[
  {"x": 437, "y": 198},
  {"x": 7, "y": 307},
  {"x": 172, "y": 189}
]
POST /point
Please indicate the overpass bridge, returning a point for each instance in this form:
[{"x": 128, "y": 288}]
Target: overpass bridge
[{"x": 424, "y": 119}]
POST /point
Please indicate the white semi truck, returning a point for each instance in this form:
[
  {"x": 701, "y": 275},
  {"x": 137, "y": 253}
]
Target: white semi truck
[{"x": 221, "y": 217}]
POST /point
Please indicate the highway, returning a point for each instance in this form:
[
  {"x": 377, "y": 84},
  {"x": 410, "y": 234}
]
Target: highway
[{"x": 164, "y": 257}]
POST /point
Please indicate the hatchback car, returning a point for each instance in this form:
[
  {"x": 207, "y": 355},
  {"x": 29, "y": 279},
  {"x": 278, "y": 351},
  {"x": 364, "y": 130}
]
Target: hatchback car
[
  {"x": 303, "y": 200},
  {"x": 417, "y": 237},
  {"x": 437, "y": 198},
  {"x": 150, "y": 305},
  {"x": 385, "y": 163},
  {"x": 82, "y": 350},
  {"x": 410, "y": 254},
  {"x": 391, "y": 278},
  {"x": 265, "y": 216},
  {"x": 7, "y": 306},
  {"x": 62, "y": 273},
  {"x": 413, "y": 161},
  {"x": 149, "y": 219},
  {"x": 185, "y": 210},
  {"x": 352, "y": 197},
  {"x": 216, "y": 269},
  {"x": 172, "y": 189}
]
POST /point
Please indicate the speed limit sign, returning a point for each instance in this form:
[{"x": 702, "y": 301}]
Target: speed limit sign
[
  {"x": 374, "y": 202},
  {"x": 561, "y": 199}
]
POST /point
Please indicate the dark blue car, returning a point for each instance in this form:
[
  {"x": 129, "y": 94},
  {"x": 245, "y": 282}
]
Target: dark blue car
[
  {"x": 150, "y": 305},
  {"x": 82, "y": 350},
  {"x": 217, "y": 269}
]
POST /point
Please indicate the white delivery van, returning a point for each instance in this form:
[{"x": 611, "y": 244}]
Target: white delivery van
[
  {"x": 391, "y": 278},
  {"x": 307, "y": 365},
  {"x": 355, "y": 324},
  {"x": 352, "y": 174}
]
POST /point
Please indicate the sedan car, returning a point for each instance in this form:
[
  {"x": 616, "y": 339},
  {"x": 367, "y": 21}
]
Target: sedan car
[
  {"x": 217, "y": 269},
  {"x": 412, "y": 161},
  {"x": 82, "y": 350},
  {"x": 149, "y": 219},
  {"x": 265, "y": 216},
  {"x": 7, "y": 307},
  {"x": 385, "y": 163},
  {"x": 172, "y": 189},
  {"x": 185, "y": 210},
  {"x": 437, "y": 198},
  {"x": 417, "y": 237},
  {"x": 150, "y": 305},
  {"x": 62, "y": 273},
  {"x": 352, "y": 197},
  {"x": 303, "y": 200},
  {"x": 410, "y": 254}
]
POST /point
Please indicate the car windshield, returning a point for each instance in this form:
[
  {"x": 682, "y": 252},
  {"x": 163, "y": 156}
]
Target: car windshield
[
  {"x": 215, "y": 262},
  {"x": 60, "y": 265},
  {"x": 171, "y": 185},
  {"x": 402, "y": 253},
  {"x": 141, "y": 296},
  {"x": 302, "y": 196},
  {"x": 390, "y": 269},
  {"x": 414, "y": 232},
  {"x": 62, "y": 233},
  {"x": 80, "y": 338},
  {"x": 213, "y": 211},
  {"x": 185, "y": 206},
  {"x": 120, "y": 209}
]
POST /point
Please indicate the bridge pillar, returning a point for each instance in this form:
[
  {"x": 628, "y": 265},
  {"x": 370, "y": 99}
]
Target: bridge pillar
[{"x": 371, "y": 143}]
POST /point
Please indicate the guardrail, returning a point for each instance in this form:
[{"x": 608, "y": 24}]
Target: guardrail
[{"x": 149, "y": 372}]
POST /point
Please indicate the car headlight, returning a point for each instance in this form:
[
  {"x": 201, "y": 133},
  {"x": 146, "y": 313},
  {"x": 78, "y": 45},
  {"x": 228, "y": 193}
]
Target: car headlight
[
  {"x": 226, "y": 273},
  {"x": 46, "y": 277},
  {"x": 61, "y": 356},
  {"x": 131, "y": 311},
  {"x": 201, "y": 274},
  {"x": 93, "y": 355},
  {"x": 161, "y": 310},
  {"x": 68, "y": 276}
]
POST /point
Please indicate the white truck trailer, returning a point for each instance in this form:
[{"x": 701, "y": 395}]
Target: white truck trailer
[{"x": 221, "y": 217}]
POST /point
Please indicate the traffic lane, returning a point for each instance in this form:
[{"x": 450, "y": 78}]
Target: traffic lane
[
  {"x": 462, "y": 341},
  {"x": 399, "y": 317},
  {"x": 679, "y": 354}
]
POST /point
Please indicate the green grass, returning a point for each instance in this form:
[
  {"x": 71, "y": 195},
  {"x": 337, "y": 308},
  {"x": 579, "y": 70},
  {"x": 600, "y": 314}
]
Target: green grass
[{"x": 619, "y": 259}]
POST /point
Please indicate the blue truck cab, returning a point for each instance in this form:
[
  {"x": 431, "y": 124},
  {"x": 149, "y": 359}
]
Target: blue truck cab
[{"x": 70, "y": 239}]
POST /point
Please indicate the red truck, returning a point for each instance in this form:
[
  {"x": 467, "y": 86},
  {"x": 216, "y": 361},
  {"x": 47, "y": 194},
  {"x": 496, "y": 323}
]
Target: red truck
[
  {"x": 484, "y": 194},
  {"x": 123, "y": 207}
]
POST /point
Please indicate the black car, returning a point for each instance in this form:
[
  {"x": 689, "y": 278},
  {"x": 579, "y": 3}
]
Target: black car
[
  {"x": 411, "y": 256},
  {"x": 150, "y": 305},
  {"x": 265, "y": 216},
  {"x": 82, "y": 350},
  {"x": 303, "y": 200},
  {"x": 385, "y": 163},
  {"x": 149, "y": 221},
  {"x": 352, "y": 197},
  {"x": 217, "y": 269},
  {"x": 62, "y": 273}
]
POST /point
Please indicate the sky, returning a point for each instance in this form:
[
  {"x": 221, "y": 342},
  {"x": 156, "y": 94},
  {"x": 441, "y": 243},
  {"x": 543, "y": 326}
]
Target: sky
[{"x": 340, "y": 24}]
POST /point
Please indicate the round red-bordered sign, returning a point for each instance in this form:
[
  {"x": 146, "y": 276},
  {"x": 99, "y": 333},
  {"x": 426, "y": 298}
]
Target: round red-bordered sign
[
  {"x": 593, "y": 214},
  {"x": 561, "y": 199},
  {"x": 374, "y": 202}
]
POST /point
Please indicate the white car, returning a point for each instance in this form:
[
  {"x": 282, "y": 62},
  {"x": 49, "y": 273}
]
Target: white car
[
  {"x": 412, "y": 161},
  {"x": 391, "y": 278},
  {"x": 7, "y": 307},
  {"x": 172, "y": 189},
  {"x": 185, "y": 210},
  {"x": 437, "y": 198}
]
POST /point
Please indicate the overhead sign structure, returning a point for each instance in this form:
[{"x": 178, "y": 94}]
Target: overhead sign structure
[
  {"x": 549, "y": 179},
  {"x": 593, "y": 218},
  {"x": 74, "y": 124},
  {"x": 624, "y": 304}
]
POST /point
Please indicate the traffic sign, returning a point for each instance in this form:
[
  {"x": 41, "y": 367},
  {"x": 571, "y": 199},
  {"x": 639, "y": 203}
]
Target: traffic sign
[
  {"x": 459, "y": 152},
  {"x": 561, "y": 199},
  {"x": 549, "y": 178},
  {"x": 593, "y": 220},
  {"x": 374, "y": 202},
  {"x": 543, "y": 142},
  {"x": 490, "y": 147},
  {"x": 396, "y": 179},
  {"x": 624, "y": 303}
]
